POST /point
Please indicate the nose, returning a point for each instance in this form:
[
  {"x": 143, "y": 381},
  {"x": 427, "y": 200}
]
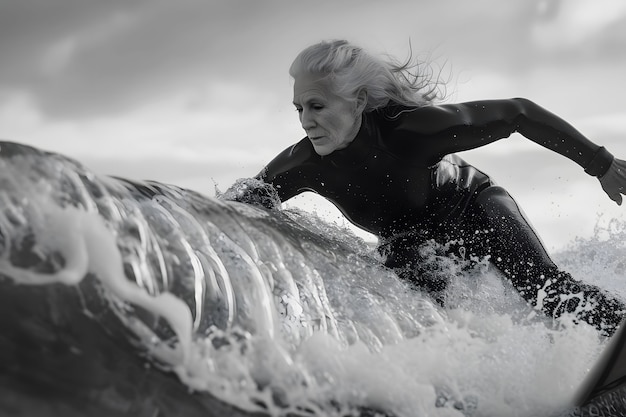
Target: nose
[{"x": 307, "y": 120}]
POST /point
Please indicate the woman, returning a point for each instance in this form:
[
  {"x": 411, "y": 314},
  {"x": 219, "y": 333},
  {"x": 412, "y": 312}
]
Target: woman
[{"x": 383, "y": 154}]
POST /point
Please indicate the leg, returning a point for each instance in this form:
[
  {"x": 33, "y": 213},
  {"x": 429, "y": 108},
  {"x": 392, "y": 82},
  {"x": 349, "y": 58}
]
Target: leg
[
  {"x": 406, "y": 257},
  {"x": 503, "y": 233}
]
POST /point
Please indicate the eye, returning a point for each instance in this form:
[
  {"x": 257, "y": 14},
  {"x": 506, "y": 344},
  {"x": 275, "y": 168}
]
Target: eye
[{"x": 317, "y": 107}]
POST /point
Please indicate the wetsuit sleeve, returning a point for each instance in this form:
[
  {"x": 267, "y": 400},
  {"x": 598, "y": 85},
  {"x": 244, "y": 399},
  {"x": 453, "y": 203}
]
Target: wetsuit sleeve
[
  {"x": 285, "y": 172},
  {"x": 457, "y": 127}
]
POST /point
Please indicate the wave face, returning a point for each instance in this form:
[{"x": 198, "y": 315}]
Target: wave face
[{"x": 259, "y": 312}]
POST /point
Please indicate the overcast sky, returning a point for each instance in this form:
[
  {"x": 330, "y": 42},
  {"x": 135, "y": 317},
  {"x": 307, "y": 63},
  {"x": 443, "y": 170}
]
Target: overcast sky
[{"x": 193, "y": 92}]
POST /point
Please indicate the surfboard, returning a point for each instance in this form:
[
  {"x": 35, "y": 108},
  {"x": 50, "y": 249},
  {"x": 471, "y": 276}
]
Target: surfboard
[{"x": 607, "y": 379}]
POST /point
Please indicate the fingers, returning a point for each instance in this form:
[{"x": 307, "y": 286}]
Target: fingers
[
  {"x": 616, "y": 196},
  {"x": 613, "y": 182}
]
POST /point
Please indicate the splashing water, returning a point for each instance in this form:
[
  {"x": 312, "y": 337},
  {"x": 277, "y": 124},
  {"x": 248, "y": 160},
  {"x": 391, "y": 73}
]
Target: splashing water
[{"x": 281, "y": 313}]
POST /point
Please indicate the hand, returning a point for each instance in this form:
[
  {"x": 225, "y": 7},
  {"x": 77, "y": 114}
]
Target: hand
[
  {"x": 614, "y": 180},
  {"x": 252, "y": 191}
]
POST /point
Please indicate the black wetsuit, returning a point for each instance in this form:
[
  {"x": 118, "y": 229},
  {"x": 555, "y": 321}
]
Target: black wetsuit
[{"x": 399, "y": 180}]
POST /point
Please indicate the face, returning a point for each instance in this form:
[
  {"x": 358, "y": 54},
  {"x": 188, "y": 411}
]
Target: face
[{"x": 331, "y": 122}]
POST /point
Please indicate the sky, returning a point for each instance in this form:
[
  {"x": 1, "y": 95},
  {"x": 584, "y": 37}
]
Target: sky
[{"x": 196, "y": 92}]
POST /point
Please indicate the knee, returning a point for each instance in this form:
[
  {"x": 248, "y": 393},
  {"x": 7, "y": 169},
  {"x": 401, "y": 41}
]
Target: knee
[
  {"x": 498, "y": 206},
  {"x": 513, "y": 235}
]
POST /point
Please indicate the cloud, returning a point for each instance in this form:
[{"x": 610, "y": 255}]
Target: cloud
[
  {"x": 576, "y": 29},
  {"x": 86, "y": 58},
  {"x": 81, "y": 59},
  {"x": 188, "y": 91}
]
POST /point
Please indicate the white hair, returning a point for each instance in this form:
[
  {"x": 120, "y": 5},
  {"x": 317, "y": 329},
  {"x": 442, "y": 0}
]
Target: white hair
[{"x": 351, "y": 70}]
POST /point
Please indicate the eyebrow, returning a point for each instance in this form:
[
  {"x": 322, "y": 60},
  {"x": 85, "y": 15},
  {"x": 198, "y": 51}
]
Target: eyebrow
[{"x": 309, "y": 100}]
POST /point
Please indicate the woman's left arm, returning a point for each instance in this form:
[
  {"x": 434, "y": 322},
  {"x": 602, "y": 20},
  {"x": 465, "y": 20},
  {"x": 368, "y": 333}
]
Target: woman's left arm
[
  {"x": 552, "y": 132},
  {"x": 458, "y": 127}
]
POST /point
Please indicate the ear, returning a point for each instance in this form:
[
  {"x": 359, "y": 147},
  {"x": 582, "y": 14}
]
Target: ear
[{"x": 361, "y": 101}]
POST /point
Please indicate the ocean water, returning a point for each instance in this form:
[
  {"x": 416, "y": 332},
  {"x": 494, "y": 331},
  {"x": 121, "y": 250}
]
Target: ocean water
[{"x": 278, "y": 312}]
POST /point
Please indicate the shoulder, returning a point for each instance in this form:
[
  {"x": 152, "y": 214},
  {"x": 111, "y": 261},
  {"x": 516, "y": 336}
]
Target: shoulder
[
  {"x": 433, "y": 119},
  {"x": 292, "y": 157},
  {"x": 299, "y": 150},
  {"x": 423, "y": 120}
]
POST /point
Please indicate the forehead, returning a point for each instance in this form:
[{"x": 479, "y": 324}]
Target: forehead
[{"x": 307, "y": 86}]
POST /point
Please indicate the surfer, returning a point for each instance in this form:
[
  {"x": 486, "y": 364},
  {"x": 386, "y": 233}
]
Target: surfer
[{"x": 380, "y": 149}]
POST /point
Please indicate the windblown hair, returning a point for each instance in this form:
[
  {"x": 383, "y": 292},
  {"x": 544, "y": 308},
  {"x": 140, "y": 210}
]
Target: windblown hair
[{"x": 388, "y": 83}]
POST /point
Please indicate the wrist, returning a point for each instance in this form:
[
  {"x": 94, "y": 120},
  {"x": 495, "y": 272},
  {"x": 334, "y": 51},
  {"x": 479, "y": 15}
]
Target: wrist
[{"x": 600, "y": 163}]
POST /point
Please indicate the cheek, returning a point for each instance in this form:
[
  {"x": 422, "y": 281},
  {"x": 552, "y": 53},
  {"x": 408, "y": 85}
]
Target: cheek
[
  {"x": 341, "y": 121},
  {"x": 347, "y": 123}
]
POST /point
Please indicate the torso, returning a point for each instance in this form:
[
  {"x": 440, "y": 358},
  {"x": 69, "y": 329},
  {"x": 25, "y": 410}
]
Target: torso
[{"x": 375, "y": 184}]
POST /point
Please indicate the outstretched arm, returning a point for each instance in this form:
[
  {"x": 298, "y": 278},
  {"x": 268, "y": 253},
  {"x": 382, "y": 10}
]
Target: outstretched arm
[
  {"x": 459, "y": 127},
  {"x": 554, "y": 133}
]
